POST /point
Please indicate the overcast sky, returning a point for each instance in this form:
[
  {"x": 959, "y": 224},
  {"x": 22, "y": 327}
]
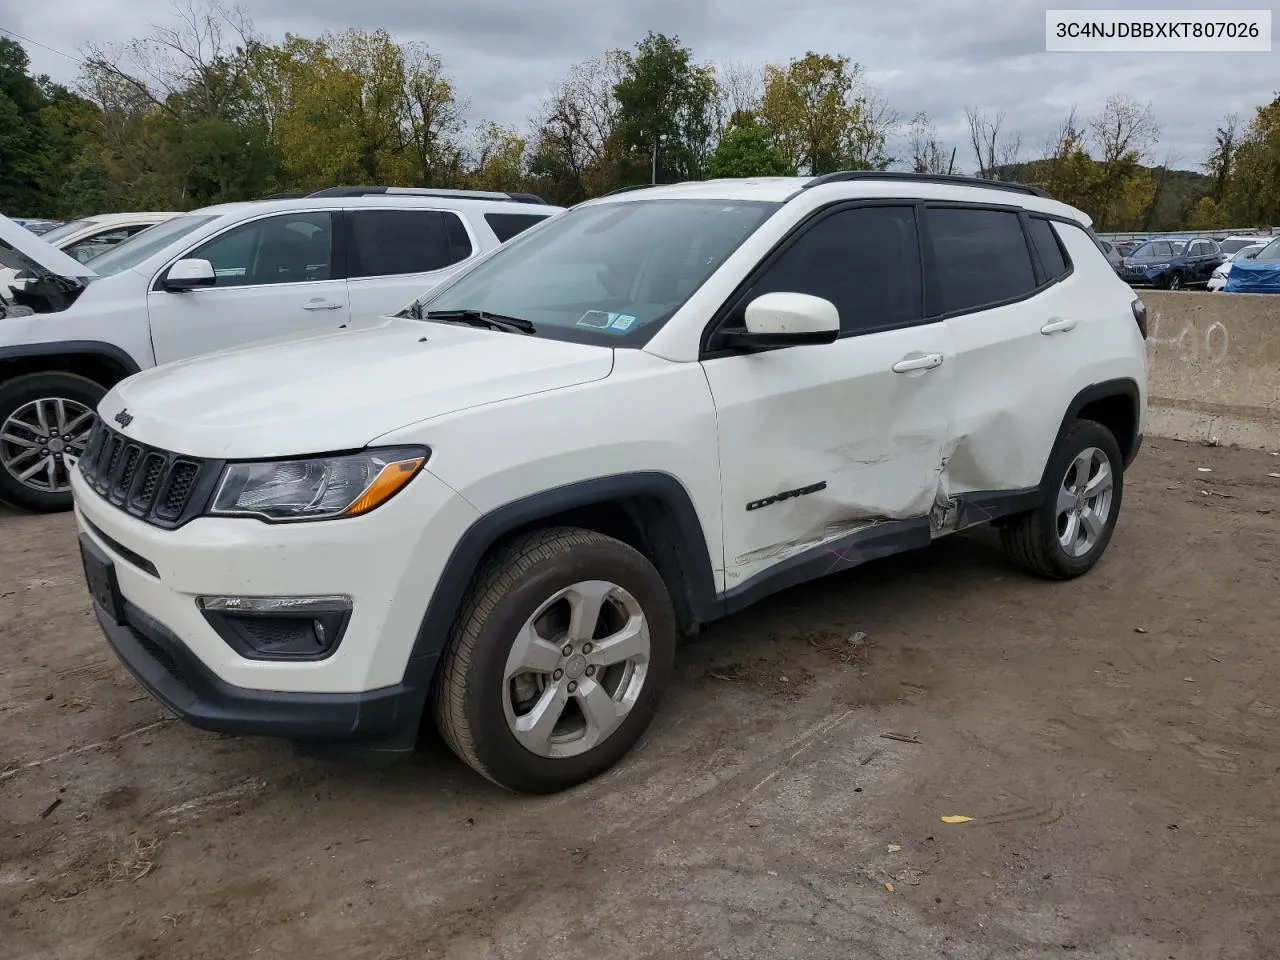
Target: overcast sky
[{"x": 932, "y": 55}]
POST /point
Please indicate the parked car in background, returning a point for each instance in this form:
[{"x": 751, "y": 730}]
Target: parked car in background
[
  {"x": 40, "y": 227},
  {"x": 1231, "y": 245},
  {"x": 1172, "y": 263},
  {"x": 209, "y": 280},
  {"x": 1218, "y": 279},
  {"x": 90, "y": 237},
  {"x": 1259, "y": 274},
  {"x": 1126, "y": 247},
  {"x": 1113, "y": 255}
]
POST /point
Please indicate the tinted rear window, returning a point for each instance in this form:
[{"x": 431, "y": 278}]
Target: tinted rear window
[
  {"x": 980, "y": 258},
  {"x": 1047, "y": 247},
  {"x": 507, "y": 225},
  {"x": 390, "y": 242}
]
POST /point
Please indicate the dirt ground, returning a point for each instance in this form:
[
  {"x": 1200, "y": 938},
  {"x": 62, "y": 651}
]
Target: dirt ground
[{"x": 1116, "y": 741}]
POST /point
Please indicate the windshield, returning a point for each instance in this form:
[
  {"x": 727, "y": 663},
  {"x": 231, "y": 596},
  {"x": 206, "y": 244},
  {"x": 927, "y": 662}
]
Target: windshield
[
  {"x": 1270, "y": 252},
  {"x": 608, "y": 274},
  {"x": 57, "y": 233},
  {"x": 146, "y": 243},
  {"x": 1154, "y": 249}
]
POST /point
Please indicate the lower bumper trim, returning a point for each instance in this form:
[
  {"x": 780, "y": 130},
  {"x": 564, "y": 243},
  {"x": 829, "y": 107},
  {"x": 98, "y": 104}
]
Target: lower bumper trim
[{"x": 384, "y": 719}]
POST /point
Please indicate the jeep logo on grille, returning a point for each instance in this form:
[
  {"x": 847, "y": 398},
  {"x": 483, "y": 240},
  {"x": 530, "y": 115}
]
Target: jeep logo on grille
[{"x": 124, "y": 418}]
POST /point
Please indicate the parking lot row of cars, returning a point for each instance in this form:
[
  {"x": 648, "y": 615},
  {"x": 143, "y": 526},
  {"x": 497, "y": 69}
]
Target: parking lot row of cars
[{"x": 1175, "y": 263}]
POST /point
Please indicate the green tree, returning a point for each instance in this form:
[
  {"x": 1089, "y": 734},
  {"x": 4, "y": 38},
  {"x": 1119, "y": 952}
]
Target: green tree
[
  {"x": 747, "y": 150},
  {"x": 667, "y": 104},
  {"x": 1252, "y": 194},
  {"x": 824, "y": 117}
]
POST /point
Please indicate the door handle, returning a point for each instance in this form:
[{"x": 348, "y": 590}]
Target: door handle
[
  {"x": 1058, "y": 325},
  {"x": 926, "y": 362},
  {"x": 321, "y": 305}
]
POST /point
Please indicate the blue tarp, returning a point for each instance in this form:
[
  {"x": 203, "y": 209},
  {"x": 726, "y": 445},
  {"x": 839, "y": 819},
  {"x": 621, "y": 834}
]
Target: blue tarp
[{"x": 1250, "y": 276}]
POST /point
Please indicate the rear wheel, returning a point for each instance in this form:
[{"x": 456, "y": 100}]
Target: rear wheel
[
  {"x": 45, "y": 420},
  {"x": 557, "y": 661},
  {"x": 1068, "y": 533}
]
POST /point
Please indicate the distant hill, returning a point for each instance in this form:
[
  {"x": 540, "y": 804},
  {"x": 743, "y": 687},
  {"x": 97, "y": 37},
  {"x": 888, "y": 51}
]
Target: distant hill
[{"x": 1178, "y": 192}]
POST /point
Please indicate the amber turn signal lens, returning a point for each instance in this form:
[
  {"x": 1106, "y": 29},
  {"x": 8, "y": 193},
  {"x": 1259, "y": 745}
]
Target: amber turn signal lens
[{"x": 385, "y": 485}]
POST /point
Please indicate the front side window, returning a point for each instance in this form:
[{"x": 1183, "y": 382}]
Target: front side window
[
  {"x": 865, "y": 260},
  {"x": 148, "y": 243},
  {"x": 289, "y": 248},
  {"x": 979, "y": 259},
  {"x": 390, "y": 242},
  {"x": 610, "y": 273}
]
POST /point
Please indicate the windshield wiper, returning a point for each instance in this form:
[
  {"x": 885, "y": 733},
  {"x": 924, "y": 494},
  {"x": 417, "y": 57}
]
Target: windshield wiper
[{"x": 481, "y": 318}]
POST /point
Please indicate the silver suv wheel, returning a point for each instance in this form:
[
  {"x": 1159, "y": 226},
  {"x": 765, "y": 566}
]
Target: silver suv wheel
[{"x": 41, "y": 441}]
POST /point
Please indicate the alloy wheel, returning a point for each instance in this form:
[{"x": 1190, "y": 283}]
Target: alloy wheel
[
  {"x": 41, "y": 441},
  {"x": 1084, "y": 502},
  {"x": 576, "y": 669}
]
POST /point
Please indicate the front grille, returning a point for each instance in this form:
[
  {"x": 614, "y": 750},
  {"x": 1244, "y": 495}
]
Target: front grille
[{"x": 153, "y": 484}]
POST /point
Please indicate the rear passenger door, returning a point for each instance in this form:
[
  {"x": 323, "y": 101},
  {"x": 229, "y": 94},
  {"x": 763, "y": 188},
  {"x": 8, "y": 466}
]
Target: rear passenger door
[
  {"x": 1002, "y": 283},
  {"x": 396, "y": 256}
]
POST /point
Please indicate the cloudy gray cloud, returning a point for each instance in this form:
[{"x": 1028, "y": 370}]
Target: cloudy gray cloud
[{"x": 937, "y": 56}]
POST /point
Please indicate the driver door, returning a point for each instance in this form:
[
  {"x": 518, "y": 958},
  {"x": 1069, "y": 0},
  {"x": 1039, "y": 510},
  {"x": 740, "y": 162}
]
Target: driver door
[
  {"x": 275, "y": 276},
  {"x": 820, "y": 443}
]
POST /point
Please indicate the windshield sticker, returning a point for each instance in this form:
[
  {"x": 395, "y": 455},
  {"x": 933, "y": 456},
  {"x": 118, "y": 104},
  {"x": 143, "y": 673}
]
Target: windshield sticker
[
  {"x": 597, "y": 319},
  {"x": 622, "y": 321}
]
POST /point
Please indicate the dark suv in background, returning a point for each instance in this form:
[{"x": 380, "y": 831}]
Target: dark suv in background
[{"x": 1172, "y": 263}]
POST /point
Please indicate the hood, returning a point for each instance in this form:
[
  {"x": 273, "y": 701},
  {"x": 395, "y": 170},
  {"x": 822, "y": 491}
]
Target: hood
[
  {"x": 341, "y": 390},
  {"x": 48, "y": 257}
]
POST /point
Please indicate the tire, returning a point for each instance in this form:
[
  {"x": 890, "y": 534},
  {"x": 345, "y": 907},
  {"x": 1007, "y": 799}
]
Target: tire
[
  {"x": 20, "y": 400},
  {"x": 480, "y": 705},
  {"x": 1175, "y": 281},
  {"x": 1035, "y": 540}
]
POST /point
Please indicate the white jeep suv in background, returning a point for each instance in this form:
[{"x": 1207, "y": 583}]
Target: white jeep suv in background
[
  {"x": 647, "y": 413},
  {"x": 203, "y": 281}
]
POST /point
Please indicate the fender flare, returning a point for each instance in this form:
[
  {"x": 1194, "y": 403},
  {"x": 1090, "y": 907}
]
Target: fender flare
[
  {"x": 80, "y": 348},
  {"x": 681, "y": 530},
  {"x": 1122, "y": 387}
]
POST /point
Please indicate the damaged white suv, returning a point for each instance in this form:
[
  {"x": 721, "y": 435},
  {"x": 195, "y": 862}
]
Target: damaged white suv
[{"x": 501, "y": 508}]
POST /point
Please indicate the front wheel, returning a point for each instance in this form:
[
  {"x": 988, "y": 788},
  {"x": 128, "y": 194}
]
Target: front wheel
[
  {"x": 1176, "y": 282},
  {"x": 1068, "y": 533},
  {"x": 45, "y": 420},
  {"x": 556, "y": 662}
]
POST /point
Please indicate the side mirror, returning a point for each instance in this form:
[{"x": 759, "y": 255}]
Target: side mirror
[
  {"x": 787, "y": 320},
  {"x": 188, "y": 275}
]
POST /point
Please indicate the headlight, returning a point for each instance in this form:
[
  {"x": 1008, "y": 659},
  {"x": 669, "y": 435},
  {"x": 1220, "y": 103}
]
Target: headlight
[
  {"x": 1158, "y": 266},
  {"x": 320, "y": 488}
]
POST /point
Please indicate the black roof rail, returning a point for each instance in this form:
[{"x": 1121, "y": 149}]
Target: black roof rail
[
  {"x": 427, "y": 192},
  {"x": 843, "y": 176},
  {"x": 285, "y": 196},
  {"x": 634, "y": 186}
]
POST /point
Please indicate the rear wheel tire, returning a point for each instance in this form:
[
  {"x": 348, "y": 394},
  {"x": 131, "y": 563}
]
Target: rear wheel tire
[
  {"x": 555, "y": 665},
  {"x": 1067, "y": 534},
  {"x": 44, "y": 426}
]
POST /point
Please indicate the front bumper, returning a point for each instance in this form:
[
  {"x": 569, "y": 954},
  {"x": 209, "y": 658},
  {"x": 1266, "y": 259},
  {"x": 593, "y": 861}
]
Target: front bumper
[
  {"x": 387, "y": 562},
  {"x": 167, "y": 670}
]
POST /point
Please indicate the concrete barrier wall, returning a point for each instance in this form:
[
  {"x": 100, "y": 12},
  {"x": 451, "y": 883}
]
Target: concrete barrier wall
[{"x": 1213, "y": 367}]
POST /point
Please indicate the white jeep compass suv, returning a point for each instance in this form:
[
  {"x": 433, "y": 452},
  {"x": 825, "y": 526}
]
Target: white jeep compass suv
[{"x": 650, "y": 411}]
